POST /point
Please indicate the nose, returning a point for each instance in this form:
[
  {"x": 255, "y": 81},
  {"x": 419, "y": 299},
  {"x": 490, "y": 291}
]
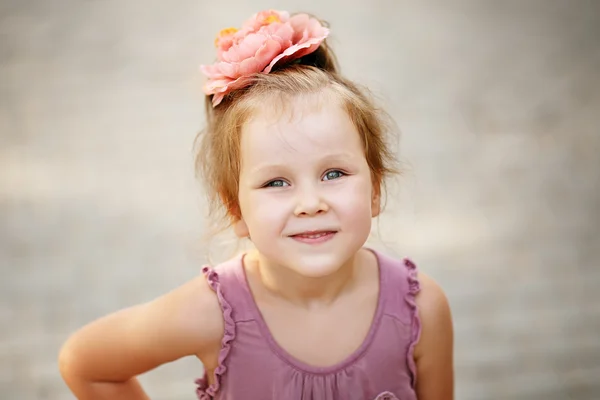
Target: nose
[{"x": 309, "y": 201}]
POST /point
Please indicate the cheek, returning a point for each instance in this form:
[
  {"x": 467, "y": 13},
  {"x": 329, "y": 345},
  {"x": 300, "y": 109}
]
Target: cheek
[
  {"x": 355, "y": 197},
  {"x": 262, "y": 211},
  {"x": 352, "y": 206}
]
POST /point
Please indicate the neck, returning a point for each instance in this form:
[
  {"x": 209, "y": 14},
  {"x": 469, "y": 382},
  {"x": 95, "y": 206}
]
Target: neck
[{"x": 301, "y": 290}]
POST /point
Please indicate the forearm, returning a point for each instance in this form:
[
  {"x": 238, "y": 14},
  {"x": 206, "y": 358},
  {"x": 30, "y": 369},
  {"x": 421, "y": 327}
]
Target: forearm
[{"x": 85, "y": 390}]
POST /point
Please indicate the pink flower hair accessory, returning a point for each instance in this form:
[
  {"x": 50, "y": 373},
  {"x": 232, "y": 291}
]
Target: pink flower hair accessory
[{"x": 267, "y": 39}]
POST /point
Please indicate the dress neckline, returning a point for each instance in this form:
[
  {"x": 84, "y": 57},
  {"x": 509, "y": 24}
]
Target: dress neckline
[{"x": 284, "y": 354}]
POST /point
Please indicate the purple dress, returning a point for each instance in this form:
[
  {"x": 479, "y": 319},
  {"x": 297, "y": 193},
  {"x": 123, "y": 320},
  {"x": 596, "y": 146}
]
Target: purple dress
[{"x": 252, "y": 366}]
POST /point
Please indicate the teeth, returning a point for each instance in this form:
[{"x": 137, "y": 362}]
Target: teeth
[{"x": 315, "y": 236}]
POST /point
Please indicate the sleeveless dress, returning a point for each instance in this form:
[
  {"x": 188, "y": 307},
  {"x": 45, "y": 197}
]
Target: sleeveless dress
[{"x": 252, "y": 366}]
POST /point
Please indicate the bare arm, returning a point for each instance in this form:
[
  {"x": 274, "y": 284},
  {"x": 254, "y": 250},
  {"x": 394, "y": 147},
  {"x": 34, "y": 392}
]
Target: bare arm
[
  {"x": 102, "y": 360},
  {"x": 434, "y": 352}
]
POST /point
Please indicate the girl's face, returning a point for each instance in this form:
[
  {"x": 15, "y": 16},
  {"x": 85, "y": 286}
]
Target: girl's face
[{"x": 305, "y": 191}]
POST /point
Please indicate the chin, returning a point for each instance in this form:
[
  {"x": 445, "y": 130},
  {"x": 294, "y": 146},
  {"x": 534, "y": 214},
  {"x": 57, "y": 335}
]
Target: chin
[
  {"x": 318, "y": 265},
  {"x": 310, "y": 261}
]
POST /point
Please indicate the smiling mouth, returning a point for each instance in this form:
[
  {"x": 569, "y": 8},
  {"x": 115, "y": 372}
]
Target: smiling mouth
[{"x": 314, "y": 237}]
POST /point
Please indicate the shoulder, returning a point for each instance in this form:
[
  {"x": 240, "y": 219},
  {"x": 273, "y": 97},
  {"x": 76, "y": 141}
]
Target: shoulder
[
  {"x": 187, "y": 320},
  {"x": 194, "y": 310},
  {"x": 433, "y": 353},
  {"x": 434, "y": 311},
  {"x": 431, "y": 300}
]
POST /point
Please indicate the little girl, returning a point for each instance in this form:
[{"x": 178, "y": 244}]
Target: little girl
[{"x": 295, "y": 156}]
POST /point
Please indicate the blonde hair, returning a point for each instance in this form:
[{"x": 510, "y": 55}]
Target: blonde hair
[{"x": 218, "y": 145}]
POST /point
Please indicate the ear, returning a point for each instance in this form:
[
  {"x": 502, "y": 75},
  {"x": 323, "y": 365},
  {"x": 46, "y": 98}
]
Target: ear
[
  {"x": 375, "y": 204},
  {"x": 240, "y": 228}
]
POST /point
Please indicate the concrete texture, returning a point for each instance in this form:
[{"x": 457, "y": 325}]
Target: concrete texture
[{"x": 498, "y": 104}]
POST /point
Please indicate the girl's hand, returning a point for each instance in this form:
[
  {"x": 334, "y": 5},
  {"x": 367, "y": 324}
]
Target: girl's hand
[
  {"x": 101, "y": 360},
  {"x": 434, "y": 351}
]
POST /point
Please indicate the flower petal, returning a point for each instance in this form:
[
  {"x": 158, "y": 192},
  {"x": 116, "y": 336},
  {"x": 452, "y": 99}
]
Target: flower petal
[
  {"x": 229, "y": 69},
  {"x": 262, "y": 58},
  {"x": 265, "y": 18},
  {"x": 216, "y": 85},
  {"x": 217, "y": 98},
  {"x": 246, "y": 48},
  {"x": 300, "y": 24},
  {"x": 211, "y": 71},
  {"x": 220, "y": 92},
  {"x": 296, "y": 51}
]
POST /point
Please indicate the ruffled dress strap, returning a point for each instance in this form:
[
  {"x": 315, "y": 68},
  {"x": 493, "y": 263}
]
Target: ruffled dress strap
[
  {"x": 224, "y": 281},
  {"x": 400, "y": 289},
  {"x": 205, "y": 391},
  {"x": 413, "y": 288}
]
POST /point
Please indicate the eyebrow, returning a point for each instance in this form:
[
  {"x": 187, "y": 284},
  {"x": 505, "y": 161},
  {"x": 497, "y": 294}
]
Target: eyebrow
[{"x": 333, "y": 157}]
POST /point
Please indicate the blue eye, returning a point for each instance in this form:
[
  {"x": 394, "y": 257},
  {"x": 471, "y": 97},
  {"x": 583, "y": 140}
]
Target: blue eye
[
  {"x": 277, "y": 183},
  {"x": 333, "y": 174}
]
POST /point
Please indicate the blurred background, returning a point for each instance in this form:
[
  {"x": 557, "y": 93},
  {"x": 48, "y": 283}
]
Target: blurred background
[{"x": 499, "y": 108}]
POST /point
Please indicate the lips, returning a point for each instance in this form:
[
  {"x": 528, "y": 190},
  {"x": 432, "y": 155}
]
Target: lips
[{"x": 314, "y": 237}]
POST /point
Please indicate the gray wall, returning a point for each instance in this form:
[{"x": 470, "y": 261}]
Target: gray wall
[{"x": 498, "y": 103}]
